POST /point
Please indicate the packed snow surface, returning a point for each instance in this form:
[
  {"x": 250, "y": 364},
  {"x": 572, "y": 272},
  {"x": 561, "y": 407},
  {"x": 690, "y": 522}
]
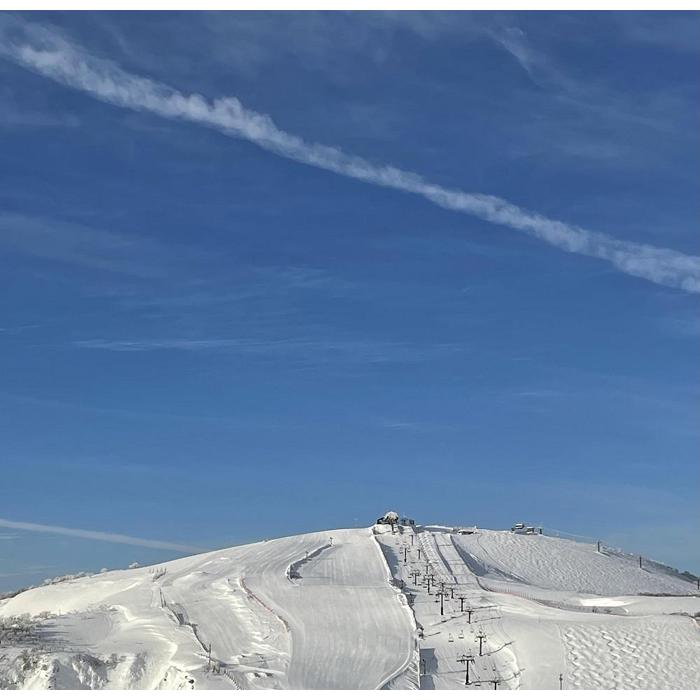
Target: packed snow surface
[{"x": 385, "y": 607}]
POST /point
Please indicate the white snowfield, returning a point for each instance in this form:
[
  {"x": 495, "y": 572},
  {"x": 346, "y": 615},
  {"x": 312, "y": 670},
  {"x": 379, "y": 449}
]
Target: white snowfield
[{"x": 351, "y": 609}]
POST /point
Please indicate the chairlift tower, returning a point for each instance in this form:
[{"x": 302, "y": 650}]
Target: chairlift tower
[
  {"x": 466, "y": 659},
  {"x": 440, "y": 595},
  {"x": 480, "y": 638}
]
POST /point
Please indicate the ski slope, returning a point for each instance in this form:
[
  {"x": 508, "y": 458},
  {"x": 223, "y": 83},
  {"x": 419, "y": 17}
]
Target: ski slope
[
  {"x": 358, "y": 609},
  {"x": 534, "y": 631},
  {"x": 578, "y": 566},
  {"x": 266, "y": 630}
]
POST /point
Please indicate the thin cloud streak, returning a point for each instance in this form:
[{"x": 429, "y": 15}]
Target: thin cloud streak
[
  {"x": 310, "y": 350},
  {"x": 73, "y": 244},
  {"x": 44, "y": 52},
  {"x": 96, "y": 535}
]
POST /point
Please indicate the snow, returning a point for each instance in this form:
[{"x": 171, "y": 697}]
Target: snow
[
  {"x": 527, "y": 601},
  {"x": 652, "y": 653},
  {"x": 266, "y": 630},
  {"x": 331, "y": 610},
  {"x": 579, "y": 567}
]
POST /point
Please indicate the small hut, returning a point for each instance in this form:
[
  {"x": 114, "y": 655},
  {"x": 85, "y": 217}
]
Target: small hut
[{"x": 390, "y": 518}]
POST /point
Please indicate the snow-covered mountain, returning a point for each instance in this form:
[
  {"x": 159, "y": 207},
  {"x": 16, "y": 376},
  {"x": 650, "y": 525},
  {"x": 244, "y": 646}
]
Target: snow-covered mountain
[{"x": 420, "y": 607}]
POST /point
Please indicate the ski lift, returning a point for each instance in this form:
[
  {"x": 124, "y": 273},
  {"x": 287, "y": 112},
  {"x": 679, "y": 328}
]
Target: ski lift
[
  {"x": 461, "y": 634},
  {"x": 450, "y": 638}
]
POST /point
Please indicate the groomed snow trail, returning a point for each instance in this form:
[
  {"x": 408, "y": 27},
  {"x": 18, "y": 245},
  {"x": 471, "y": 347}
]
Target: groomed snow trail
[{"x": 348, "y": 627}]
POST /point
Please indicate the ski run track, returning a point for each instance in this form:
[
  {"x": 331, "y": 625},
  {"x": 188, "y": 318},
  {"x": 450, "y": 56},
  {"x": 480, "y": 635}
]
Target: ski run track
[{"x": 361, "y": 609}]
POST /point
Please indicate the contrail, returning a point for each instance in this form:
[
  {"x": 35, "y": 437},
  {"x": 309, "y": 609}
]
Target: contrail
[
  {"x": 96, "y": 535},
  {"x": 46, "y": 53}
]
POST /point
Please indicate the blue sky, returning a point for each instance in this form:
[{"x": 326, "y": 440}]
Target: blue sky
[{"x": 273, "y": 273}]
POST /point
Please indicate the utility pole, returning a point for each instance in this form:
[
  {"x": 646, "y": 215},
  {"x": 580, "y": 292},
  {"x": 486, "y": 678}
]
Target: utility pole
[
  {"x": 466, "y": 659},
  {"x": 561, "y": 681},
  {"x": 481, "y": 637}
]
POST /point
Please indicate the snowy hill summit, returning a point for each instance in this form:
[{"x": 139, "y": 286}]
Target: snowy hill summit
[{"x": 394, "y": 605}]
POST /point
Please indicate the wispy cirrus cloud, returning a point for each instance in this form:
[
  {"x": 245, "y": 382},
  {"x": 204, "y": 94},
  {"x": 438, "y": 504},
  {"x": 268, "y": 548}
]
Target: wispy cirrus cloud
[
  {"x": 251, "y": 283},
  {"x": 15, "y": 115},
  {"x": 96, "y": 535},
  {"x": 678, "y": 31},
  {"x": 141, "y": 257},
  {"x": 79, "y": 245},
  {"x": 44, "y": 52},
  {"x": 593, "y": 103},
  {"x": 314, "y": 350}
]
